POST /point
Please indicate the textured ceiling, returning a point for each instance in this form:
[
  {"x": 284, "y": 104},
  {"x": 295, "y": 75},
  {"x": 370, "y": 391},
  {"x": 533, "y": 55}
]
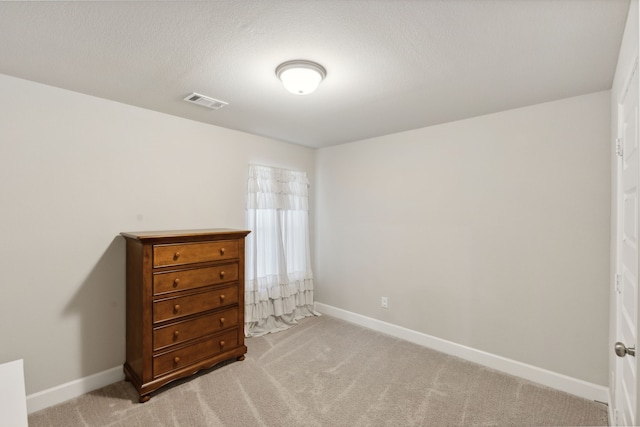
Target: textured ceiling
[{"x": 392, "y": 65}]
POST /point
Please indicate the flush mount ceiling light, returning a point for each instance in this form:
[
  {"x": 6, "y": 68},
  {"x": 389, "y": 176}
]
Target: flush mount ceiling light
[{"x": 300, "y": 77}]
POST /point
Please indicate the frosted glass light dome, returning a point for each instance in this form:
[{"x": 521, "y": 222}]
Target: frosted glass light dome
[{"x": 300, "y": 77}]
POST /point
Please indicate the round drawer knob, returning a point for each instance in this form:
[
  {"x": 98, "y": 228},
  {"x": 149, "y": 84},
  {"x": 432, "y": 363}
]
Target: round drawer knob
[
  {"x": 176, "y": 333},
  {"x": 222, "y": 343},
  {"x": 221, "y": 251},
  {"x": 176, "y": 359},
  {"x": 222, "y": 273},
  {"x": 222, "y": 320},
  {"x": 176, "y": 308},
  {"x": 222, "y": 297},
  {"x": 176, "y": 282},
  {"x": 176, "y": 255}
]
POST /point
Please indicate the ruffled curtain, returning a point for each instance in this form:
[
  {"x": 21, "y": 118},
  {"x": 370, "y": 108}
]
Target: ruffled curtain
[{"x": 278, "y": 277}]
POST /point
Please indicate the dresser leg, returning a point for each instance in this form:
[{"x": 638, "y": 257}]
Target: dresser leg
[
  {"x": 240, "y": 358},
  {"x": 145, "y": 398}
]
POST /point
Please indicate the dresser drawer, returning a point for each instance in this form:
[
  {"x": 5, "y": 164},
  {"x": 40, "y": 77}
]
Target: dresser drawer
[
  {"x": 201, "y": 350},
  {"x": 173, "y": 308},
  {"x": 196, "y": 328},
  {"x": 188, "y": 279},
  {"x": 188, "y": 253}
]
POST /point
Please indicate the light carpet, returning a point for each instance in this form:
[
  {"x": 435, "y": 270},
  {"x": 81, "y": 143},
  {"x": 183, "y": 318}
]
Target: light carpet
[{"x": 327, "y": 372}]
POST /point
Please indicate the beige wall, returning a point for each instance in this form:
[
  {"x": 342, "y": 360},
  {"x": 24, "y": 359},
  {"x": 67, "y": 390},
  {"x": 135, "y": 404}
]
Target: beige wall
[
  {"x": 75, "y": 171},
  {"x": 491, "y": 232}
]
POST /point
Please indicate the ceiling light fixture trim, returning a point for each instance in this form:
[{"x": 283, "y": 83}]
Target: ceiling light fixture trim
[{"x": 301, "y": 77}]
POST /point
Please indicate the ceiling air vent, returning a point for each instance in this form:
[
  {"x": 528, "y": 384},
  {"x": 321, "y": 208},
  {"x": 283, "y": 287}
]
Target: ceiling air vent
[{"x": 205, "y": 101}]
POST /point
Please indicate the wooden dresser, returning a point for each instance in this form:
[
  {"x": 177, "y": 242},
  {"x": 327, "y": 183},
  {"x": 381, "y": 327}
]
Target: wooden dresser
[{"x": 185, "y": 304}]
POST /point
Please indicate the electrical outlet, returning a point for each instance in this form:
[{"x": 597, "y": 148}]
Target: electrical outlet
[{"x": 384, "y": 303}]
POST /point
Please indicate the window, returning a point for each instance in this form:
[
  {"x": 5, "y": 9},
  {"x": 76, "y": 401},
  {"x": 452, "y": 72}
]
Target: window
[{"x": 278, "y": 277}]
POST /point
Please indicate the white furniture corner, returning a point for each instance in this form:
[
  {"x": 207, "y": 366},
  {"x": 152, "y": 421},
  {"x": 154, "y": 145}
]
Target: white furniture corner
[{"x": 13, "y": 400}]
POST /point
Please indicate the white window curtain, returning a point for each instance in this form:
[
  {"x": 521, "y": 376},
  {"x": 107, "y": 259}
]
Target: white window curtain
[{"x": 278, "y": 277}]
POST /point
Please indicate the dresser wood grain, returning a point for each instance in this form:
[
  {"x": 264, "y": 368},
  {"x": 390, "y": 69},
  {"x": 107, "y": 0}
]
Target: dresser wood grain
[{"x": 185, "y": 304}]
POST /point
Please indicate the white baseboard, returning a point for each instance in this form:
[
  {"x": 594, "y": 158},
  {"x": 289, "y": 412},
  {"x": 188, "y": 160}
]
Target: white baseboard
[
  {"x": 55, "y": 395},
  {"x": 529, "y": 372},
  {"x": 64, "y": 392}
]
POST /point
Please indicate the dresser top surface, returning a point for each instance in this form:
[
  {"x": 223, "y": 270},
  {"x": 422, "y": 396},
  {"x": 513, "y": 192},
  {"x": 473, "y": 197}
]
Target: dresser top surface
[{"x": 200, "y": 234}]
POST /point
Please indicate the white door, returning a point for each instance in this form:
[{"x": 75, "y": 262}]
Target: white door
[{"x": 627, "y": 255}]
